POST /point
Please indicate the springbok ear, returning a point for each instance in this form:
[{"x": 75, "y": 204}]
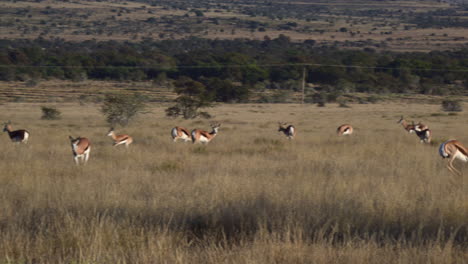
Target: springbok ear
[{"x": 70, "y": 137}]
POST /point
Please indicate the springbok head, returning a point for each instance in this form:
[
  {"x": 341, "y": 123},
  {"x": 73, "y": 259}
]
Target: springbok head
[
  {"x": 402, "y": 119},
  {"x": 215, "y": 126},
  {"x": 281, "y": 126},
  {"x": 7, "y": 126},
  {"x": 72, "y": 140}
]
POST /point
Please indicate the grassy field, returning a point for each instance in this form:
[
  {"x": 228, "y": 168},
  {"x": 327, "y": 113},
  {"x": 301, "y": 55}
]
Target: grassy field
[
  {"x": 58, "y": 91},
  {"x": 250, "y": 196}
]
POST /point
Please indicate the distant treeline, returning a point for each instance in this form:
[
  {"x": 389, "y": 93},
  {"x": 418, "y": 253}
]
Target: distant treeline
[{"x": 242, "y": 65}]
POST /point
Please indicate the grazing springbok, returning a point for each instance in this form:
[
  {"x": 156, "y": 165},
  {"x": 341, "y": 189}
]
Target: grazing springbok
[
  {"x": 81, "y": 148},
  {"x": 120, "y": 139},
  {"x": 344, "y": 130},
  {"x": 180, "y": 133},
  {"x": 409, "y": 128},
  {"x": 201, "y": 136},
  {"x": 289, "y": 131},
  {"x": 17, "y": 136},
  {"x": 453, "y": 150}
]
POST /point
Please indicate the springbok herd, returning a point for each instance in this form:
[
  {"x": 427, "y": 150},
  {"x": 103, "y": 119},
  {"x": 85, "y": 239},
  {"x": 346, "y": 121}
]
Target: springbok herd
[{"x": 81, "y": 146}]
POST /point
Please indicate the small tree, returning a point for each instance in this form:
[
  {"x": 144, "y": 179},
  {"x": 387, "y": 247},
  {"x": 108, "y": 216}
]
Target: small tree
[
  {"x": 50, "y": 113},
  {"x": 192, "y": 97},
  {"x": 122, "y": 108}
]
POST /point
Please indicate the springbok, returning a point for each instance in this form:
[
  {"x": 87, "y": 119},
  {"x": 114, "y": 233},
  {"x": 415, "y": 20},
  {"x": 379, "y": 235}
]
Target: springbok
[
  {"x": 180, "y": 133},
  {"x": 453, "y": 150},
  {"x": 81, "y": 148},
  {"x": 344, "y": 130},
  {"x": 17, "y": 136},
  {"x": 420, "y": 126},
  {"x": 120, "y": 139},
  {"x": 425, "y": 135},
  {"x": 409, "y": 128},
  {"x": 204, "y": 137},
  {"x": 289, "y": 131}
]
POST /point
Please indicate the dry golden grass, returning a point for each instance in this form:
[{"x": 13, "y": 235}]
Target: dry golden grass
[
  {"x": 250, "y": 196},
  {"x": 58, "y": 91}
]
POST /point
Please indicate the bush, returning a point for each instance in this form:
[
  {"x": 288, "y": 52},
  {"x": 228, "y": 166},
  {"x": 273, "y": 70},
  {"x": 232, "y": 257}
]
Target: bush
[
  {"x": 452, "y": 106},
  {"x": 373, "y": 99},
  {"x": 343, "y": 103},
  {"x": 188, "y": 108},
  {"x": 122, "y": 108},
  {"x": 317, "y": 98},
  {"x": 50, "y": 113},
  {"x": 192, "y": 97}
]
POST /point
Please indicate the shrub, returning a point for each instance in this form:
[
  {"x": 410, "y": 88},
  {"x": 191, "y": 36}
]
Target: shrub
[
  {"x": 122, "y": 108},
  {"x": 50, "y": 113},
  {"x": 452, "y": 106},
  {"x": 319, "y": 98},
  {"x": 373, "y": 99},
  {"x": 343, "y": 103},
  {"x": 186, "y": 107},
  {"x": 192, "y": 97}
]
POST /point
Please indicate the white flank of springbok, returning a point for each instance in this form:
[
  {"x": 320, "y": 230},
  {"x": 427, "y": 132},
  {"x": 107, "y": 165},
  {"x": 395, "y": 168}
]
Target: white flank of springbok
[
  {"x": 180, "y": 133},
  {"x": 120, "y": 139},
  {"x": 420, "y": 126},
  {"x": 289, "y": 131},
  {"x": 81, "y": 148},
  {"x": 17, "y": 136},
  {"x": 344, "y": 130},
  {"x": 204, "y": 137},
  {"x": 453, "y": 150}
]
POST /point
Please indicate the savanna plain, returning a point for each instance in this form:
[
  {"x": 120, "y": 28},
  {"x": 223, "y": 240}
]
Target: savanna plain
[{"x": 250, "y": 196}]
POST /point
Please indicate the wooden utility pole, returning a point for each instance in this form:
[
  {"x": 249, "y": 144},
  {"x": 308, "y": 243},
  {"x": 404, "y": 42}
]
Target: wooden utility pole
[{"x": 303, "y": 85}]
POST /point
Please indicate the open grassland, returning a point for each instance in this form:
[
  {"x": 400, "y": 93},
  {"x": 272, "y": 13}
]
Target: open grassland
[
  {"x": 250, "y": 196},
  {"x": 378, "y": 24}
]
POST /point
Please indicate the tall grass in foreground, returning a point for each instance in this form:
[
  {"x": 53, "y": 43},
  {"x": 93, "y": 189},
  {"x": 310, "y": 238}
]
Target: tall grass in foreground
[{"x": 250, "y": 196}]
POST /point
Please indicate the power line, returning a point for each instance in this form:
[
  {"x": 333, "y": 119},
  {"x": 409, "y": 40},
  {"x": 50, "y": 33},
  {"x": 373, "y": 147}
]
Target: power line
[{"x": 215, "y": 66}]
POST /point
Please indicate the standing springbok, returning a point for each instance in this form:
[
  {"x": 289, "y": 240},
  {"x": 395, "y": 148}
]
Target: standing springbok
[
  {"x": 17, "y": 136},
  {"x": 409, "y": 128},
  {"x": 344, "y": 130},
  {"x": 180, "y": 133},
  {"x": 81, "y": 148},
  {"x": 201, "y": 136},
  {"x": 120, "y": 139},
  {"x": 289, "y": 131},
  {"x": 453, "y": 150}
]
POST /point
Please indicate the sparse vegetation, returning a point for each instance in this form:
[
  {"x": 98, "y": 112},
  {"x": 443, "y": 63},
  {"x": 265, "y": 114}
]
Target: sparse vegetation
[{"x": 331, "y": 23}]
